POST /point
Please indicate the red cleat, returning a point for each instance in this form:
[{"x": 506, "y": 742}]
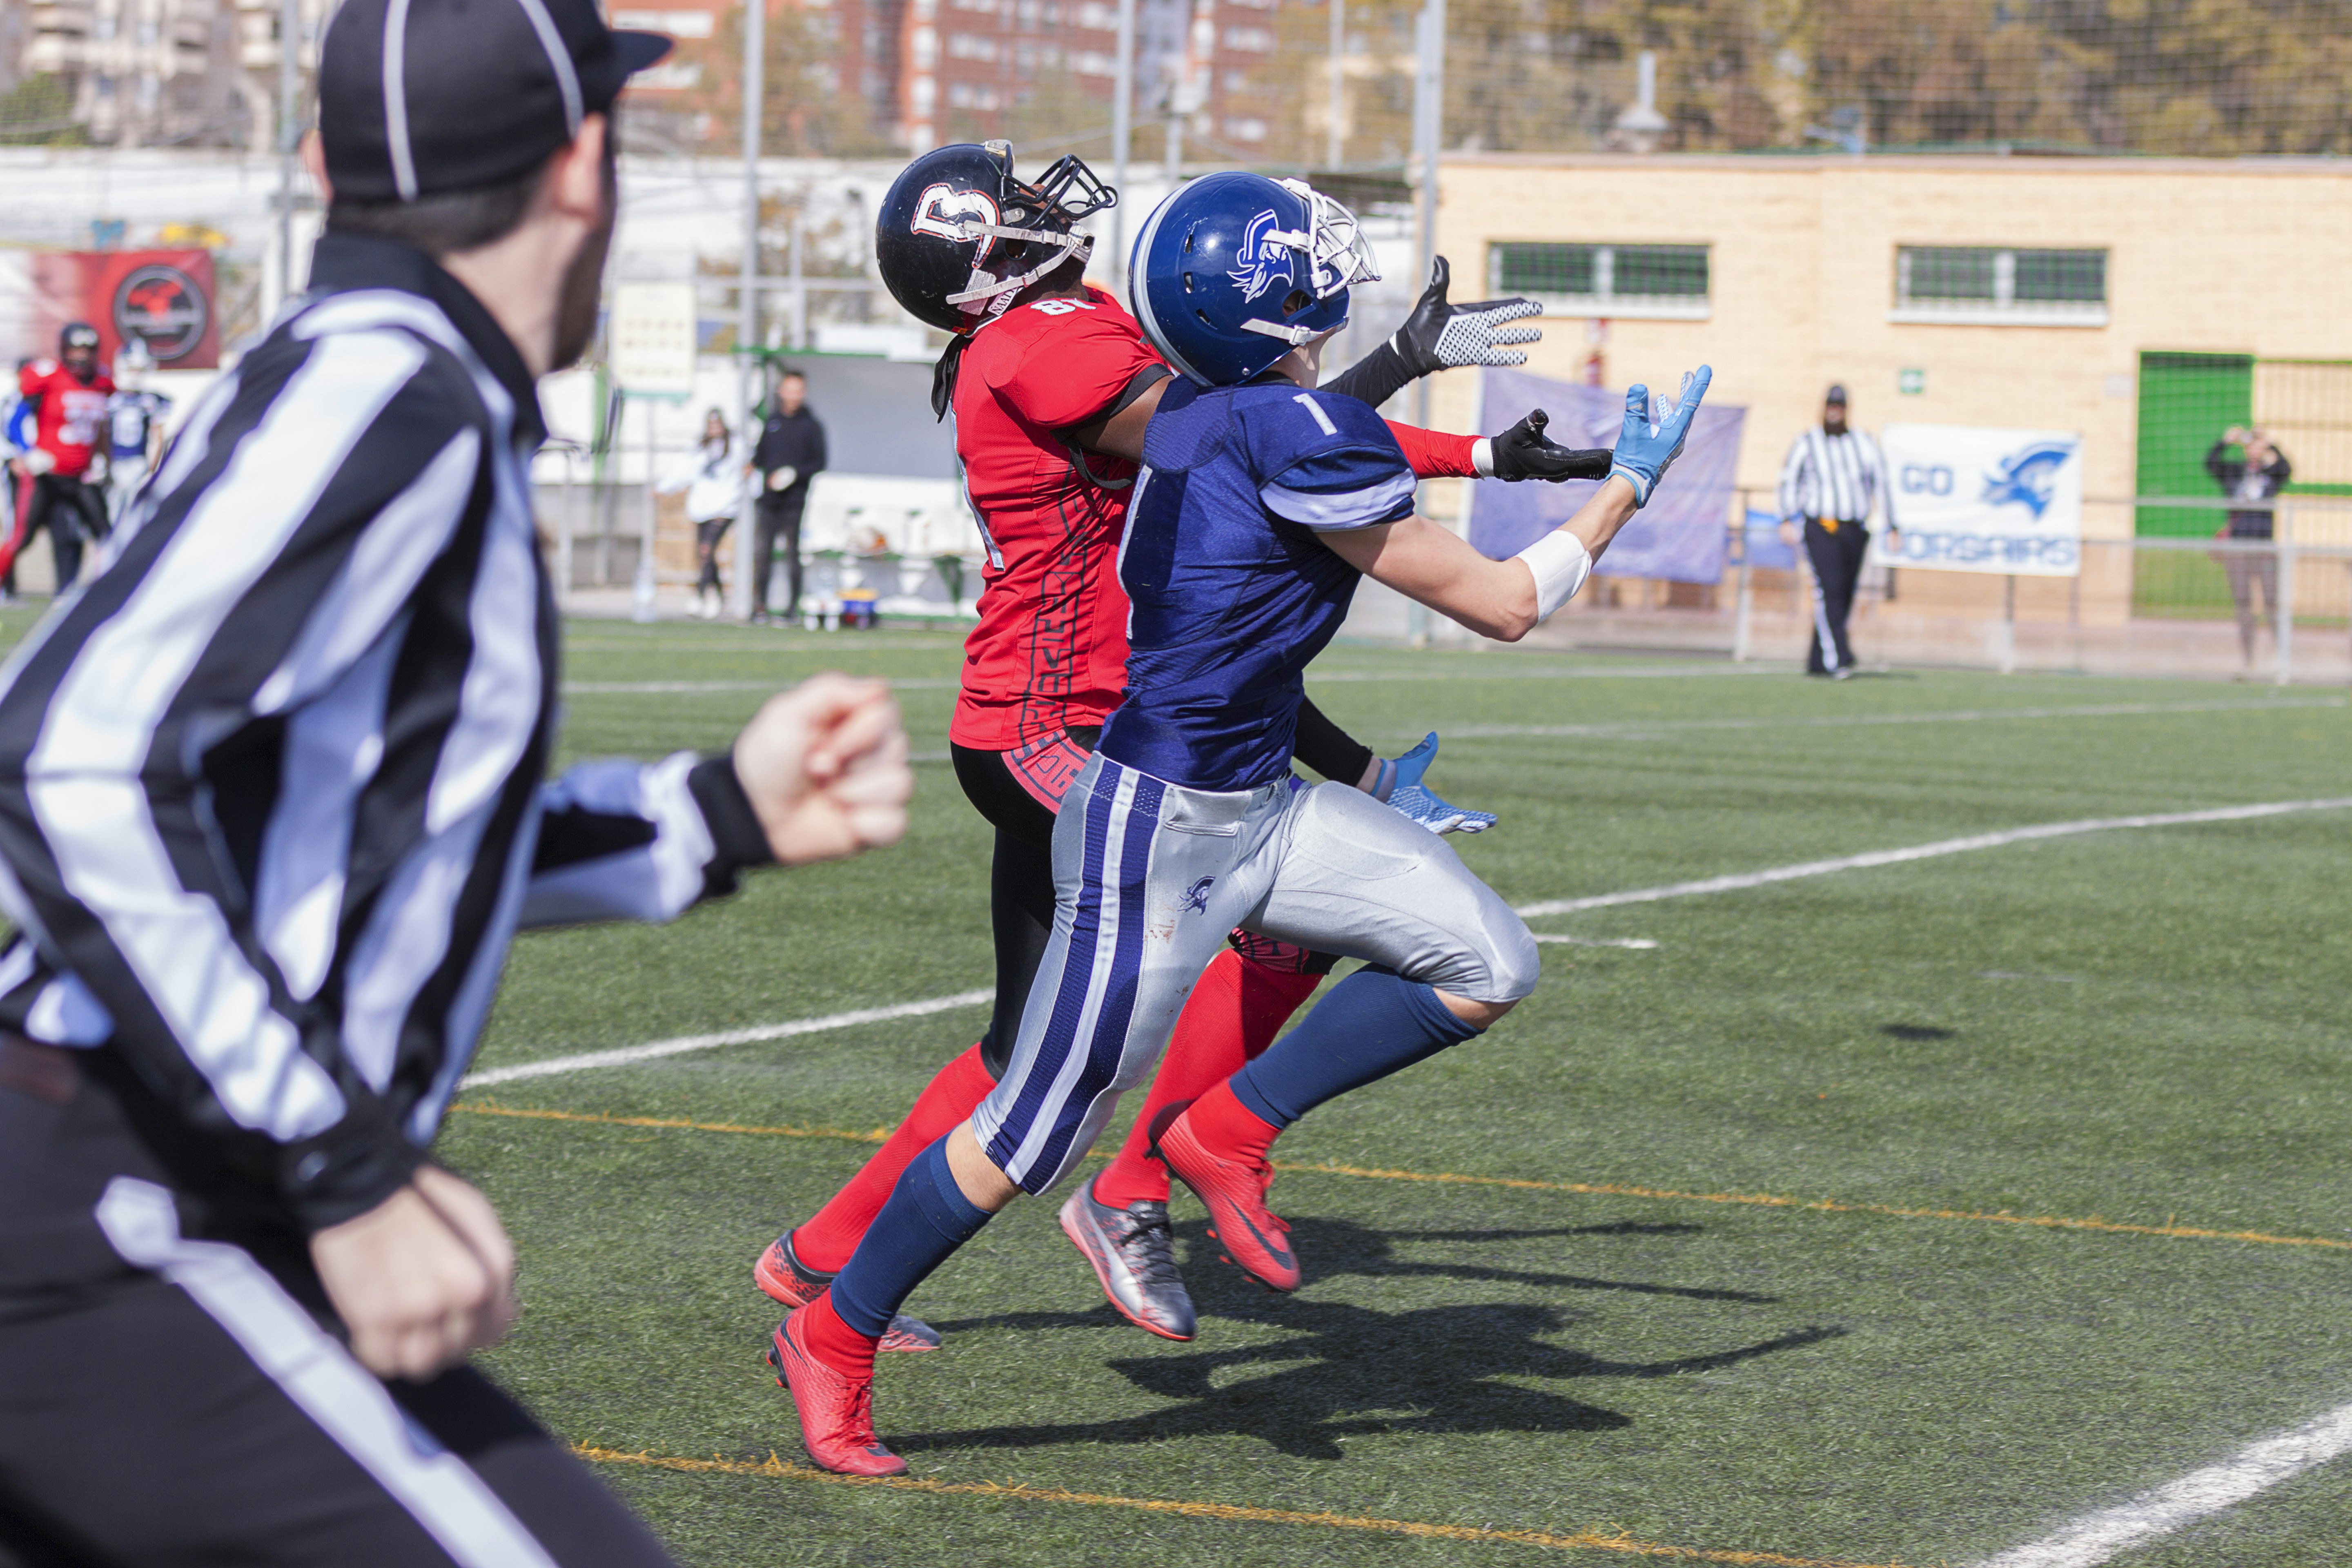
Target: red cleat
[
  {"x": 785, "y": 1279},
  {"x": 1253, "y": 1237},
  {"x": 836, "y": 1410}
]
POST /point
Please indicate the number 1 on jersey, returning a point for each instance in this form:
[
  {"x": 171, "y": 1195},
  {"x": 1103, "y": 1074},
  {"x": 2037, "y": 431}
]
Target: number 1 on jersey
[{"x": 1307, "y": 399}]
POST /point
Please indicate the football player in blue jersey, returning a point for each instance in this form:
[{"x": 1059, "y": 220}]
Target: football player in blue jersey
[{"x": 1260, "y": 504}]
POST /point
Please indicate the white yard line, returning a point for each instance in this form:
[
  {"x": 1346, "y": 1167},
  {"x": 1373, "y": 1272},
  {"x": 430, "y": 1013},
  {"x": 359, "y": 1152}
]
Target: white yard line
[
  {"x": 658, "y": 1048},
  {"x": 1635, "y": 729},
  {"x": 2097, "y": 1537},
  {"x": 663, "y": 687},
  {"x": 1923, "y": 852},
  {"x": 1574, "y": 673},
  {"x": 1638, "y": 944}
]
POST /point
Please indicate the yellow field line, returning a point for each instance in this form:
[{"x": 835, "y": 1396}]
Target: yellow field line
[
  {"x": 1449, "y": 1178},
  {"x": 774, "y": 1469}
]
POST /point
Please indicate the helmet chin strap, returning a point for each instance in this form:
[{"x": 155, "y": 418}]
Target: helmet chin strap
[{"x": 1000, "y": 291}]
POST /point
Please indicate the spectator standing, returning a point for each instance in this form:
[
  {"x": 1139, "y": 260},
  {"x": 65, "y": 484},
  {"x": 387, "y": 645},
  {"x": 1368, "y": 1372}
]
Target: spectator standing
[
  {"x": 712, "y": 478},
  {"x": 791, "y": 452},
  {"x": 2257, "y": 474},
  {"x": 1832, "y": 482}
]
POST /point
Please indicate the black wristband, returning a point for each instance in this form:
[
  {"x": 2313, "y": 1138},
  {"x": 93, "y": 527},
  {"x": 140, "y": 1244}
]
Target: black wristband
[
  {"x": 1327, "y": 748},
  {"x": 1374, "y": 379},
  {"x": 348, "y": 1170},
  {"x": 737, "y": 841}
]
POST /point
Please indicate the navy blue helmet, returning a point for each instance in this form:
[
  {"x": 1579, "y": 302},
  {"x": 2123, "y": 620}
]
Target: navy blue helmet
[{"x": 1232, "y": 271}]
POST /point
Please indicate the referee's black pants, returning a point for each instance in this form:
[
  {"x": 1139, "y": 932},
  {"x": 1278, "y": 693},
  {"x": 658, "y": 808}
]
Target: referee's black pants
[
  {"x": 1835, "y": 549},
  {"x": 174, "y": 1391}
]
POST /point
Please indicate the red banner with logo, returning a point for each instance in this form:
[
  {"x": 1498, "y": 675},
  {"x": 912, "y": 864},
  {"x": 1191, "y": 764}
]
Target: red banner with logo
[{"x": 163, "y": 297}]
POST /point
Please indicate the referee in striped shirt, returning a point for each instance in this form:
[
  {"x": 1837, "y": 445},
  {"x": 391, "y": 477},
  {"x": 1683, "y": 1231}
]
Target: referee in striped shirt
[
  {"x": 272, "y": 806},
  {"x": 1832, "y": 479}
]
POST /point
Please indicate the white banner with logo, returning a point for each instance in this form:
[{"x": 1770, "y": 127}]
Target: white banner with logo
[{"x": 1965, "y": 498}]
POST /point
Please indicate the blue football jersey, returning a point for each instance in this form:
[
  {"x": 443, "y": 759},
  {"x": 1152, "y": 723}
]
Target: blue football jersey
[{"x": 1230, "y": 593}]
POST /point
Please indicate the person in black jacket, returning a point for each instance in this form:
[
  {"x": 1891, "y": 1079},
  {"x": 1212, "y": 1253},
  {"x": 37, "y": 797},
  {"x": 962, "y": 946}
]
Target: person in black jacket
[
  {"x": 2256, "y": 475},
  {"x": 791, "y": 452}
]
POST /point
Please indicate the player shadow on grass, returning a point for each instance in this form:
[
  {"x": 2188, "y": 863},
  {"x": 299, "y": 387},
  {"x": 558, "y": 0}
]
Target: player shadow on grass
[{"x": 1353, "y": 1371}]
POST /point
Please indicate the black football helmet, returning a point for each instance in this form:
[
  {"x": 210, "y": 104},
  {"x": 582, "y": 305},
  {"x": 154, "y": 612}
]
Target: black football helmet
[{"x": 959, "y": 237}]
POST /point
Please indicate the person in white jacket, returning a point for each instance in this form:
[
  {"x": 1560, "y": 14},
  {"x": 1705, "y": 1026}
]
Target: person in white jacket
[{"x": 712, "y": 478}]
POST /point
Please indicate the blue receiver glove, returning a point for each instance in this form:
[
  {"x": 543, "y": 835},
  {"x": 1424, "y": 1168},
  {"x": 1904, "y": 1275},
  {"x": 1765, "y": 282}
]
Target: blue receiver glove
[
  {"x": 1400, "y": 787},
  {"x": 1653, "y": 438}
]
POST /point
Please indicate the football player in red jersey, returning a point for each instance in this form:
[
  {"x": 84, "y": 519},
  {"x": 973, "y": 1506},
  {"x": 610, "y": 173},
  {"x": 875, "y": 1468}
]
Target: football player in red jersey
[
  {"x": 68, "y": 396},
  {"x": 1052, "y": 384}
]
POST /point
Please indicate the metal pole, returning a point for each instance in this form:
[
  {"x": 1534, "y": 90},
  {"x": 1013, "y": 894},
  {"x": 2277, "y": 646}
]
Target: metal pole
[
  {"x": 1335, "y": 134},
  {"x": 1428, "y": 131},
  {"x": 289, "y": 97},
  {"x": 1743, "y": 611},
  {"x": 1122, "y": 128},
  {"x": 799, "y": 338},
  {"x": 2282, "y": 607},
  {"x": 2008, "y": 626},
  {"x": 747, "y": 297},
  {"x": 641, "y": 607}
]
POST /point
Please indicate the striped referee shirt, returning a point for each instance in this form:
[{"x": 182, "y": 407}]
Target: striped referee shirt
[
  {"x": 271, "y": 797},
  {"x": 1831, "y": 476}
]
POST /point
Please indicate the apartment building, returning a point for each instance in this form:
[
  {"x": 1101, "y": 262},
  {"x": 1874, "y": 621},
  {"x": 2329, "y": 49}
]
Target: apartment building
[
  {"x": 922, "y": 72},
  {"x": 153, "y": 72}
]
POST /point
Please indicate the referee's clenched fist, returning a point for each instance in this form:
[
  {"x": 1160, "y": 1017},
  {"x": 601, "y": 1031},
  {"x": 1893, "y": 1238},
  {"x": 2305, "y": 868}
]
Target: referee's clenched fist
[{"x": 272, "y": 806}]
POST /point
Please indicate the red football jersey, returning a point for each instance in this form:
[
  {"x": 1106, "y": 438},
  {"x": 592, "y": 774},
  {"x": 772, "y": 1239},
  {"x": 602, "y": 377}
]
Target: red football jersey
[
  {"x": 70, "y": 416},
  {"x": 1050, "y": 650}
]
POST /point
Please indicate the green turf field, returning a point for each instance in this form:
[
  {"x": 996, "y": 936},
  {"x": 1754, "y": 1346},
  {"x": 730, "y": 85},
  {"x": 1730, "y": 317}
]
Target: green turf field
[{"x": 1590, "y": 1340}]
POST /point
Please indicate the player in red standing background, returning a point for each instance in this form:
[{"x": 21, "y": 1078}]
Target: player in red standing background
[
  {"x": 1052, "y": 384},
  {"x": 66, "y": 401}
]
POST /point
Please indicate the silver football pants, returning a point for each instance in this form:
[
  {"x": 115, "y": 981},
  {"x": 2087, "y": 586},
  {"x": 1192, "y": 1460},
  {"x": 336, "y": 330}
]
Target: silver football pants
[{"x": 1149, "y": 875}]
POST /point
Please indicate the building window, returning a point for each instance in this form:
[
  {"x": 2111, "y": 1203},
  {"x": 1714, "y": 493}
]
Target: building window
[
  {"x": 972, "y": 47},
  {"x": 676, "y": 24},
  {"x": 1250, "y": 40},
  {"x": 1659, "y": 283},
  {"x": 1990, "y": 285}
]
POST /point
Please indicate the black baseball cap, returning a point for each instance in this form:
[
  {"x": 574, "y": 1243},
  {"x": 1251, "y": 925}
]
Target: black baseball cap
[
  {"x": 417, "y": 98},
  {"x": 1837, "y": 393}
]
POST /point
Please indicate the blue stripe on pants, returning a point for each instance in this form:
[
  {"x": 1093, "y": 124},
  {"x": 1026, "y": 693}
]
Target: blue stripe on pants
[
  {"x": 1107, "y": 1046},
  {"x": 1076, "y": 979}
]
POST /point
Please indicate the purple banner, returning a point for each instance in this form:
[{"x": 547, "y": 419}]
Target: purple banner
[{"x": 1680, "y": 536}]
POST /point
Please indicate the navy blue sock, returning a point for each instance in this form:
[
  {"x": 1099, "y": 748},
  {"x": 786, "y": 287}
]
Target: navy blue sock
[
  {"x": 1372, "y": 1024},
  {"x": 926, "y": 1219}
]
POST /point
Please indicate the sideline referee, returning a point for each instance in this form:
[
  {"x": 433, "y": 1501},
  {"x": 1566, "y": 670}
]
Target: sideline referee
[
  {"x": 271, "y": 809},
  {"x": 1831, "y": 480}
]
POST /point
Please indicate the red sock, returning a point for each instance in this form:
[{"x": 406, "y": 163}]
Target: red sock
[
  {"x": 1233, "y": 1015},
  {"x": 1228, "y": 1128},
  {"x": 834, "y": 1342},
  {"x": 825, "y": 1242}
]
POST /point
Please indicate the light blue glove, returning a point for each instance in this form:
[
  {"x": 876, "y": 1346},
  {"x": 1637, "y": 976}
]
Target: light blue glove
[
  {"x": 1654, "y": 436},
  {"x": 1400, "y": 787}
]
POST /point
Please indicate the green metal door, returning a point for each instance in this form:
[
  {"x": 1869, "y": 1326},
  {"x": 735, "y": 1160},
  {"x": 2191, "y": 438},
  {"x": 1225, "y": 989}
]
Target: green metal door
[{"x": 2186, "y": 401}]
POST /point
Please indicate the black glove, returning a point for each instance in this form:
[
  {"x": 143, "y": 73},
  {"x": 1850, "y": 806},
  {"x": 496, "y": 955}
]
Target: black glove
[
  {"x": 1438, "y": 336},
  {"x": 1524, "y": 452}
]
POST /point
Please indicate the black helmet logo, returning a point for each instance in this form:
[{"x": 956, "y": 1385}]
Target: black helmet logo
[{"x": 161, "y": 306}]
